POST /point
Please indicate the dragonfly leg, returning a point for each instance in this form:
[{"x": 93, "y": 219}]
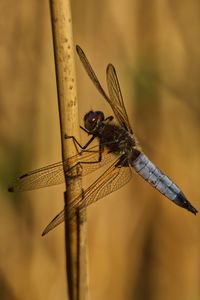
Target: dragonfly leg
[
  {"x": 85, "y": 130},
  {"x": 79, "y": 164},
  {"x": 109, "y": 119},
  {"x": 95, "y": 161},
  {"x": 77, "y": 142}
]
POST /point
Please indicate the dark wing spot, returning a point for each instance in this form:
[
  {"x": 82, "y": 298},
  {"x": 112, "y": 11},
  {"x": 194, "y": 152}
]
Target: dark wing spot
[{"x": 24, "y": 175}]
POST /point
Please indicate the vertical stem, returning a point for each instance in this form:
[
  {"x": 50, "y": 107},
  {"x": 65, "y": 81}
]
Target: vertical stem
[{"x": 75, "y": 230}]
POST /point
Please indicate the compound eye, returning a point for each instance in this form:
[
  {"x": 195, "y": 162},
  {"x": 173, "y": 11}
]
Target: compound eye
[{"x": 92, "y": 118}]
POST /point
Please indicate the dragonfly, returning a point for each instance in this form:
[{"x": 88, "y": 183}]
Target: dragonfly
[{"x": 117, "y": 146}]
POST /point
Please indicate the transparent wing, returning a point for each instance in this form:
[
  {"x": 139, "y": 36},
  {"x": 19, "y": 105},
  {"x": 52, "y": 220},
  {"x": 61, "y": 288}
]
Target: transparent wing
[
  {"x": 89, "y": 70},
  {"x": 82, "y": 164},
  {"x": 115, "y": 100},
  {"x": 111, "y": 180}
]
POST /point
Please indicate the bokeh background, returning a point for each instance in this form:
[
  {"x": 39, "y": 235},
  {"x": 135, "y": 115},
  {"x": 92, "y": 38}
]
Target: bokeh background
[{"x": 141, "y": 246}]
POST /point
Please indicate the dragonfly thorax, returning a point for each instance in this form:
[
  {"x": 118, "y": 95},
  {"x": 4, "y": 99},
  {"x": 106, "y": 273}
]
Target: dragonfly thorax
[{"x": 116, "y": 138}]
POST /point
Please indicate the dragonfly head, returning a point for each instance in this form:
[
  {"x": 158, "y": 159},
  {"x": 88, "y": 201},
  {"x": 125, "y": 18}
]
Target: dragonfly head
[{"x": 92, "y": 119}]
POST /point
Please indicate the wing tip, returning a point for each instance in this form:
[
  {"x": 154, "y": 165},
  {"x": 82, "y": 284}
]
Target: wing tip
[
  {"x": 46, "y": 230},
  {"x": 43, "y": 233},
  {"x": 109, "y": 67},
  {"x": 11, "y": 189},
  {"x": 78, "y": 49}
]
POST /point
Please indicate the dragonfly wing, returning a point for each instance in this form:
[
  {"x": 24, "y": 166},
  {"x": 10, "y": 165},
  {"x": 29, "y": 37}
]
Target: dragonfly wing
[
  {"x": 89, "y": 161},
  {"x": 111, "y": 180},
  {"x": 82, "y": 164},
  {"x": 59, "y": 218},
  {"x": 43, "y": 177},
  {"x": 116, "y": 99},
  {"x": 89, "y": 70}
]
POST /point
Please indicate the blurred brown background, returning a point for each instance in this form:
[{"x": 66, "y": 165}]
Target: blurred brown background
[{"x": 140, "y": 245}]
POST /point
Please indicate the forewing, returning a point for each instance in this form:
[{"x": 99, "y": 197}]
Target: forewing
[
  {"x": 111, "y": 180},
  {"x": 89, "y": 70},
  {"x": 54, "y": 174},
  {"x": 39, "y": 178},
  {"x": 59, "y": 218},
  {"x": 116, "y": 99}
]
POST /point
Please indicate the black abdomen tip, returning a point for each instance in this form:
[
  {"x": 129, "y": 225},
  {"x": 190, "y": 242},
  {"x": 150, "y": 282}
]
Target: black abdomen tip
[{"x": 183, "y": 202}]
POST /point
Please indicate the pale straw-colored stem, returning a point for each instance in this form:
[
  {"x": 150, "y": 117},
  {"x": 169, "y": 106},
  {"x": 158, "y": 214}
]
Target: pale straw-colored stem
[{"x": 75, "y": 230}]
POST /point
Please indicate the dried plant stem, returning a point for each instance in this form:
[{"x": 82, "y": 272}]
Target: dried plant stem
[{"x": 75, "y": 231}]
